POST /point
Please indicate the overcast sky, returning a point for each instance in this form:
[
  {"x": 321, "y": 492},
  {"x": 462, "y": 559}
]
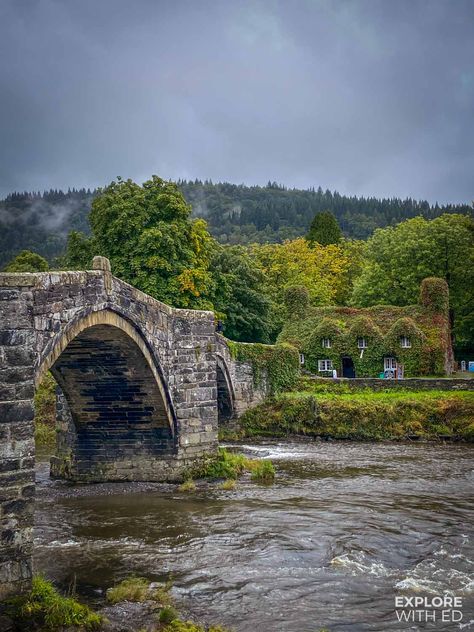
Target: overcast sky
[{"x": 366, "y": 97}]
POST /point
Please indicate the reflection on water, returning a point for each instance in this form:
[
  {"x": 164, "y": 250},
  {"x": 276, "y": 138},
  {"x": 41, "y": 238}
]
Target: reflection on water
[{"x": 346, "y": 528}]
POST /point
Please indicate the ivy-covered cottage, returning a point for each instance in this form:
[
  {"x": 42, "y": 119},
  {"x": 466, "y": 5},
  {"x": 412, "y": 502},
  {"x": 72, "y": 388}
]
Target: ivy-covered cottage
[{"x": 373, "y": 341}]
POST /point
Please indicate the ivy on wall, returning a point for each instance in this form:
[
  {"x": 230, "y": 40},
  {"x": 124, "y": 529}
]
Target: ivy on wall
[
  {"x": 279, "y": 364},
  {"x": 382, "y": 326}
]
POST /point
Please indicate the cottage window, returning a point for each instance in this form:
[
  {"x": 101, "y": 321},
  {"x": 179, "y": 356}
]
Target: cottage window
[
  {"x": 405, "y": 342},
  {"x": 301, "y": 358},
  {"x": 324, "y": 365},
  {"x": 389, "y": 364},
  {"x": 326, "y": 343},
  {"x": 362, "y": 343}
]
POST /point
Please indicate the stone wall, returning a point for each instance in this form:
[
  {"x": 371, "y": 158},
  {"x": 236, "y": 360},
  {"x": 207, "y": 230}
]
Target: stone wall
[
  {"x": 412, "y": 383},
  {"x": 245, "y": 391}
]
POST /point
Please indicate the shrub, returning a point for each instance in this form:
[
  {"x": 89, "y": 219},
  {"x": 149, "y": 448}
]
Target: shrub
[
  {"x": 262, "y": 471},
  {"x": 45, "y": 608},
  {"x": 230, "y": 466},
  {"x": 167, "y": 614}
]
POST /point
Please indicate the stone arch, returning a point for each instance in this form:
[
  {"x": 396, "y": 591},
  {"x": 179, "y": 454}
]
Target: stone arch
[
  {"x": 225, "y": 392},
  {"x": 116, "y": 413}
]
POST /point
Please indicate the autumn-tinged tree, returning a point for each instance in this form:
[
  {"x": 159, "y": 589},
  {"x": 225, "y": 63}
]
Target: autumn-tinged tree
[
  {"x": 27, "y": 261},
  {"x": 322, "y": 270},
  {"x": 324, "y": 229}
]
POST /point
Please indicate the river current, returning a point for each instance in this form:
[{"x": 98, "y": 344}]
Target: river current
[{"x": 345, "y": 529}]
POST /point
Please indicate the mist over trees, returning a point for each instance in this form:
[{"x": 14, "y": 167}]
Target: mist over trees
[{"x": 236, "y": 214}]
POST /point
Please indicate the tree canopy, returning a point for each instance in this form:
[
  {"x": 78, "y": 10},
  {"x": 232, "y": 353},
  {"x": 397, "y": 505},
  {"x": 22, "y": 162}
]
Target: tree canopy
[
  {"x": 399, "y": 258},
  {"x": 324, "y": 229},
  {"x": 27, "y": 261}
]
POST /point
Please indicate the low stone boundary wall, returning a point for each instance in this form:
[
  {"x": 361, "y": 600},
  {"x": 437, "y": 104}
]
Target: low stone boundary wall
[{"x": 410, "y": 383}]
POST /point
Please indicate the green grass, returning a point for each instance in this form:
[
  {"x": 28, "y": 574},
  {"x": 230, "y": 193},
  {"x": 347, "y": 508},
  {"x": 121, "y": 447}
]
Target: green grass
[
  {"x": 262, "y": 471},
  {"x": 45, "y": 609},
  {"x": 341, "y": 413},
  {"x": 229, "y": 484},
  {"x": 137, "y": 589},
  {"x": 188, "y": 486},
  {"x": 230, "y": 465}
]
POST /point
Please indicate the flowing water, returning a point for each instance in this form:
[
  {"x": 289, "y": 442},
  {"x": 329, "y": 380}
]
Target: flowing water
[{"x": 345, "y": 529}]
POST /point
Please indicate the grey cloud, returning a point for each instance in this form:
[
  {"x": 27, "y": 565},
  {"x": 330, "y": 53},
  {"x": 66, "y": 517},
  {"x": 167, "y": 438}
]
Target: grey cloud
[{"x": 360, "y": 96}]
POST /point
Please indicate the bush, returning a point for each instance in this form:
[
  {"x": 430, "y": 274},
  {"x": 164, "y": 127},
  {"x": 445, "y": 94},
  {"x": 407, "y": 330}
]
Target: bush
[
  {"x": 262, "y": 471},
  {"x": 167, "y": 614},
  {"x": 45, "y": 609},
  {"x": 230, "y": 466}
]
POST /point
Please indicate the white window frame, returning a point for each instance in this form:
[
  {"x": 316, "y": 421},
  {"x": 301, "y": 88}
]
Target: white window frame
[
  {"x": 405, "y": 342},
  {"x": 326, "y": 343},
  {"x": 325, "y": 365},
  {"x": 362, "y": 343},
  {"x": 389, "y": 363},
  {"x": 301, "y": 358}
]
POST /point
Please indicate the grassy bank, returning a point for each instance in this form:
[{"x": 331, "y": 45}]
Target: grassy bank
[{"x": 325, "y": 410}]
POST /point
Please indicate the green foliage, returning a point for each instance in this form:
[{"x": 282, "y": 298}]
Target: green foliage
[
  {"x": 147, "y": 233},
  {"x": 188, "y": 486},
  {"x": 262, "y": 471},
  {"x": 80, "y": 250},
  {"x": 279, "y": 363},
  {"x": 45, "y": 609},
  {"x": 434, "y": 295},
  {"x": 230, "y": 466},
  {"x": 364, "y": 415},
  {"x": 382, "y": 326},
  {"x": 324, "y": 229},
  {"x": 27, "y": 261},
  {"x": 229, "y": 484},
  {"x": 167, "y": 615},
  {"x": 237, "y": 295},
  {"x": 400, "y": 257},
  {"x": 296, "y": 299},
  {"x": 223, "y": 464},
  {"x": 415, "y": 359},
  {"x": 236, "y": 214},
  {"x": 45, "y": 413},
  {"x": 137, "y": 589}
]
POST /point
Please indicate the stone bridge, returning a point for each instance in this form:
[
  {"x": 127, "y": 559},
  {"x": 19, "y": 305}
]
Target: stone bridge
[{"x": 142, "y": 388}]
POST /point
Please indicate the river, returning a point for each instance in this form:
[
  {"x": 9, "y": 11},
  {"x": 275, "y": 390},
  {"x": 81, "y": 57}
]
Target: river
[{"x": 345, "y": 529}]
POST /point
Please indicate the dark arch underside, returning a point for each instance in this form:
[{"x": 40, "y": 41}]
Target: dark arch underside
[
  {"x": 116, "y": 409},
  {"x": 225, "y": 408}
]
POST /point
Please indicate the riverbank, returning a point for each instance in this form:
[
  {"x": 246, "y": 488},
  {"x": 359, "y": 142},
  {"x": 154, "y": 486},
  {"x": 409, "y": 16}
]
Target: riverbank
[{"x": 338, "y": 411}]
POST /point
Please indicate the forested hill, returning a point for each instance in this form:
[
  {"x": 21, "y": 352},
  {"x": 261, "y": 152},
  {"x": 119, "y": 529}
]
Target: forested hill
[{"x": 235, "y": 214}]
